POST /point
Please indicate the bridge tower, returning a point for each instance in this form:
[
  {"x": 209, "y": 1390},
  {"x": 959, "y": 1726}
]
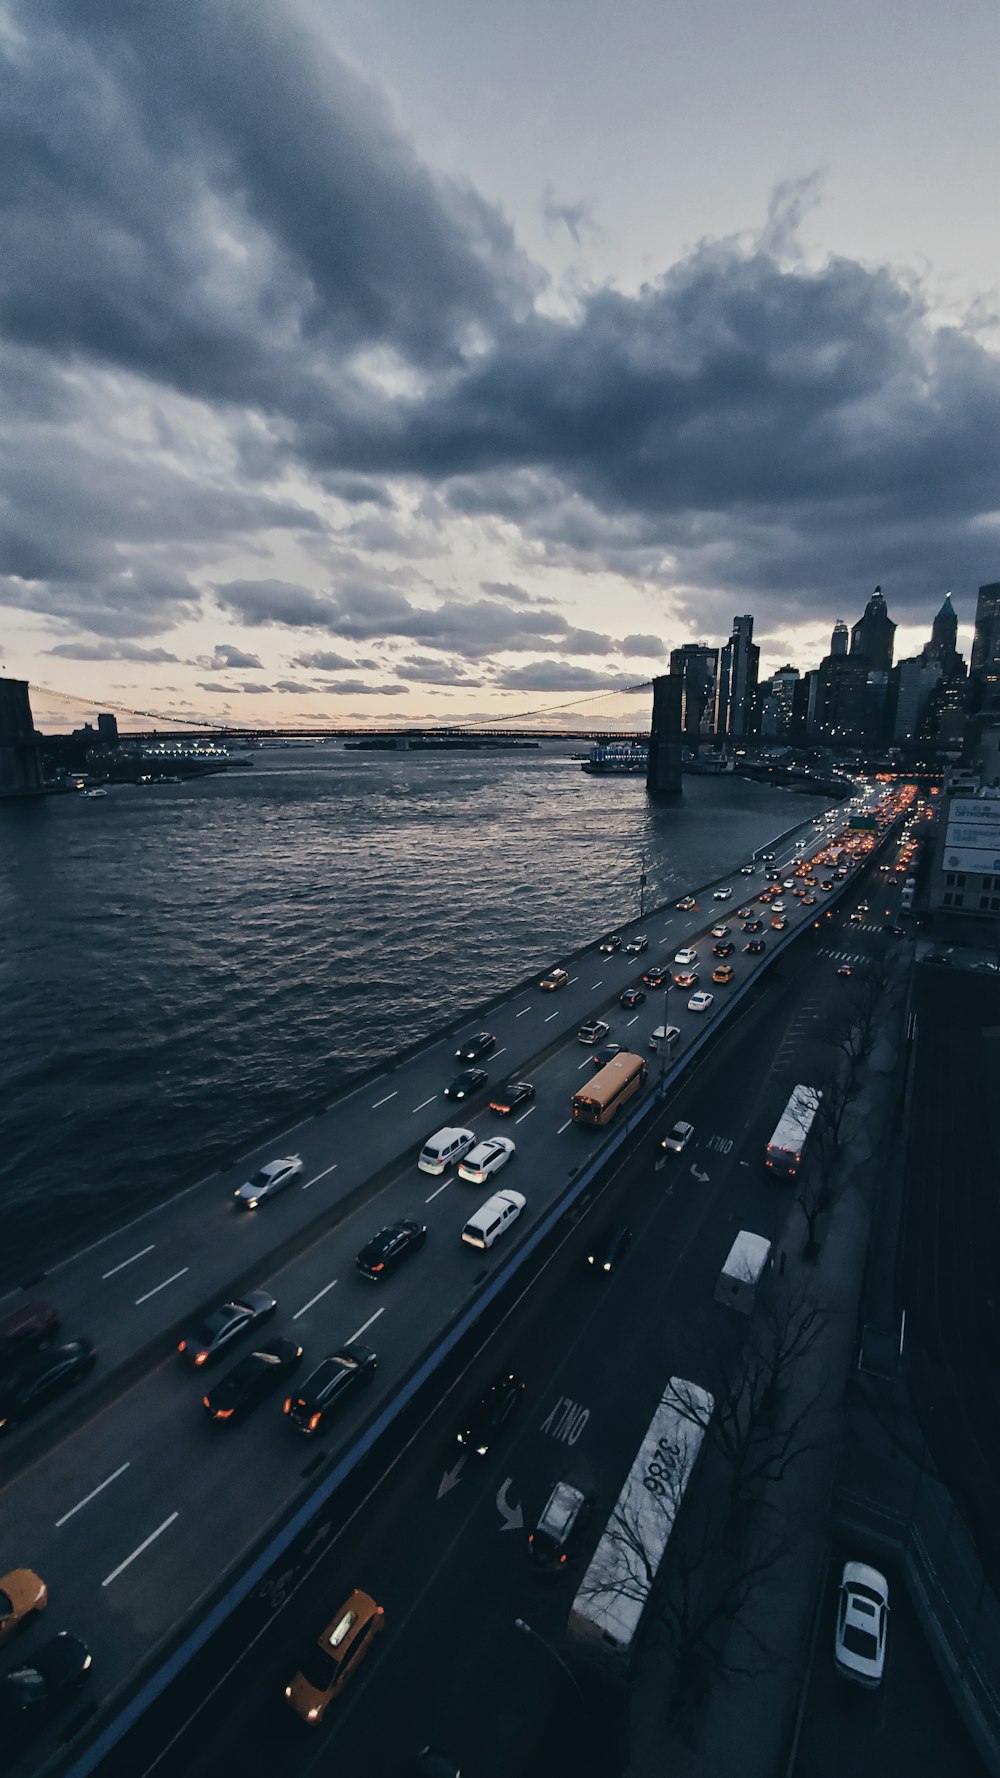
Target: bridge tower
[
  {"x": 20, "y": 755},
  {"x": 663, "y": 770}
]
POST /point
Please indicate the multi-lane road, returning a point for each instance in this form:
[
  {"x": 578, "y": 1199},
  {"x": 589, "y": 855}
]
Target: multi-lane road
[{"x": 132, "y": 1505}]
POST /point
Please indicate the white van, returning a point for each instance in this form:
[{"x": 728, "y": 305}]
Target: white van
[
  {"x": 664, "y": 1034},
  {"x": 444, "y": 1147},
  {"x": 748, "y": 1263},
  {"x": 492, "y": 1218}
]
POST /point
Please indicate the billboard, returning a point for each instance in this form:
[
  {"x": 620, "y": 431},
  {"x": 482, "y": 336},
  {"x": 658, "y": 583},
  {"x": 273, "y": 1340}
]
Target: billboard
[{"x": 972, "y": 837}]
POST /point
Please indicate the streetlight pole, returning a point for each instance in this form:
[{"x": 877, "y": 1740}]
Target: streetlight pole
[
  {"x": 663, "y": 1044},
  {"x": 528, "y": 1630},
  {"x": 642, "y": 886}
]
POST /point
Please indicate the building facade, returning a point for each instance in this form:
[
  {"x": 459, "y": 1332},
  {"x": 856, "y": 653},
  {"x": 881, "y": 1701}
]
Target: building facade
[
  {"x": 873, "y": 635},
  {"x": 696, "y": 665},
  {"x": 965, "y": 877},
  {"x": 738, "y": 669}
]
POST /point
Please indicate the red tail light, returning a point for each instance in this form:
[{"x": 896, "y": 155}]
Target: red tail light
[
  {"x": 288, "y": 1405},
  {"x": 223, "y": 1413},
  {"x": 183, "y": 1346},
  {"x": 314, "y": 1420},
  {"x": 200, "y": 1357}
]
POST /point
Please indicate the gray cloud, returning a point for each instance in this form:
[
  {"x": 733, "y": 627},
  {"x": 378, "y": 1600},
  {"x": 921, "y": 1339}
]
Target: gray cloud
[
  {"x": 344, "y": 688},
  {"x": 110, "y": 651},
  {"x": 327, "y": 662},
  {"x": 556, "y": 675},
  {"x": 434, "y": 670},
  {"x": 226, "y": 655},
  {"x": 292, "y": 686}
]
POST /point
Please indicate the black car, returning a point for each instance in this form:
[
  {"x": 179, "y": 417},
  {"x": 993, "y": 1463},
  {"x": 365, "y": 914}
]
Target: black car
[
  {"x": 610, "y": 1248},
  {"x": 474, "y": 1047},
  {"x": 256, "y": 1376},
  {"x": 631, "y": 996},
  {"x": 606, "y": 1054},
  {"x": 725, "y": 949},
  {"x": 486, "y": 1417},
  {"x": 752, "y": 925},
  {"x": 509, "y": 1097},
  {"x": 31, "y": 1692},
  {"x": 655, "y": 977},
  {"x": 384, "y": 1251},
  {"x": 338, "y": 1377},
  {"x": 43, "y": 1377},
  {"x": 466, "y": 1083},
  {"x": 217, "y": 1332},
  {"x": 611, "y": 944},
  {"x": 755, "y": 947}
]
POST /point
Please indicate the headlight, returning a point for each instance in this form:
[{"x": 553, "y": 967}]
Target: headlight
[
  {"x": 251, "y": 1203},
  {"x": 87, "y": 1662},
  {"x": 288, "y": 1691},
  {"x": 313, "y": 1713},
  {"x": 481, "y": 1450}
]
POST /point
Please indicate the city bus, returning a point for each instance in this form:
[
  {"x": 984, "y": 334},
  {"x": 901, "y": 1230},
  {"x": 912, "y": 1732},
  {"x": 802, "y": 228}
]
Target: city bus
[
  {"x": 785, "y": 1150},
  {"x": 607, "y": 1612},
  {"x": 608, "y": 1089}
]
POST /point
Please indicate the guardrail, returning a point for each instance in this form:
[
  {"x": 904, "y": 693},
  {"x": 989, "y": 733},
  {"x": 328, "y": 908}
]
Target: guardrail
[{"x": 253, "y": 1581}]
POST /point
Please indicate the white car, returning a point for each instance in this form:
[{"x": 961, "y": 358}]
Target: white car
[
  {"x": 686, "y": 957},
  {"x": 268, "y": 1181},
  {"x": 777, "y": 907},
  {"x": 721, "y": 894},
  {"x": 486, "y": 1158},
  {"x": 678, "y": 1139},
  {"x": 862, "y": 1621},
  {"x": 492, "y": 1218},
  {"x": 720, "y": 931},
  {"x": 747, "y": 870},
  {"x": 700, "y": 1002},
  {"x": 637, "y": 944}
]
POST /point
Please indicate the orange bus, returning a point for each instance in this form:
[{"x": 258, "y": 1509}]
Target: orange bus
[{"x": 597, "y": 1102}]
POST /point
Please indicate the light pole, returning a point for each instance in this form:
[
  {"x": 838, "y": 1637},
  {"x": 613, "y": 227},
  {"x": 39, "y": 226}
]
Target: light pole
[
  {"x": 663, "y": 1044},
  {"x": 527, "y": 1630},
  {"x": 642, "y": 886}
]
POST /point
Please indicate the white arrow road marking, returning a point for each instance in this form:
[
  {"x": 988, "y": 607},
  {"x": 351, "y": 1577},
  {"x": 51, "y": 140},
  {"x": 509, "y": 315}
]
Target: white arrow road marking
[
  {"x": 702, "y": 1178},
  {"x": 512, "y": 1516},
  {"x": 451, "y": 1478}
]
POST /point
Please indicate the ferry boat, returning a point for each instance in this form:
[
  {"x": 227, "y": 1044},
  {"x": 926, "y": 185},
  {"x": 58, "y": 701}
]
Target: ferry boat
[{"x": 619, "y": 757}]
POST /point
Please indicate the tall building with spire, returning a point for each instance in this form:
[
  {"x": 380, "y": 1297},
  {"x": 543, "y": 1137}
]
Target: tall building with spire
[
  {"x": 839, "y": 639},
  {"x": 873, "y": 634},
  {"x": 944, "y": 633}
]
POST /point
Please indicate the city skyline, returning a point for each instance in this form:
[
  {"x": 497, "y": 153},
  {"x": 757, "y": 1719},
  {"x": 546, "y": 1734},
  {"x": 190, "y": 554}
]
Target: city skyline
[{"x": 336, "y": 395}]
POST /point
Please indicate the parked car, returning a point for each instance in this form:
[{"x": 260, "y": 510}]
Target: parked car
[
  {"x": 862, "y": 1623},
  {"x": 486, "y": 1417},
  {"x": 268, "y": 1181}
]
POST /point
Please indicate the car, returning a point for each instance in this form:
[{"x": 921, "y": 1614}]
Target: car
[
  {"x": 855, "y": 918},
  {"x": 725, "y": 950},
  {"x": 556, "y": 978},
  {"x": 700, "y": 1002},
  {"x": 25, "y": 1329},
  {"x": 721, "y": 894},
  {"x": 508, "y": 1098},
  {"x": 256, "y": 1376},
  {"x": 677, "y": 1139},
  {"x": 384, "y": 1252},
  {"x": 899, "y": 932},
  {"x": 747, "y": 870},
  {"x": 610, "y": 1247},
  {"x": 779, "y": 923},
  {"x": 844, "y": 969},
  {"x": 488, "y": 1415},
  {"x": 662, "y": 1038},
  {"x": 687, "y": 904},
  {"x": 492, "y": 1219},
  {"x": 339, "y": 1377},
  {"x": 485, "y": 1159},
  {"x": 656, "y": 976},
  {"x": 637, "y": 945},
  {"x": 593, "y": 1032},
  {"x": 808, "y": 901},
  {"x": 466, "y": 1083},
  {"x": 216, "y": 1333},
  {"x": 472, "y": 1048},
  {"x": 777, "y": 907},
  {"x": 685, "y": 956},
  {"x": 862, "y": 1622},
  {"x": 755, "y": 947},
  {"x": 609, "y": 945},
  {"x": 720, "y": 931},
  {"x": 686, "y": 978},
  {"x": 863, "y": 907},
  {"x": 723, "y": 975},
  {"x": 752, "y": 925},
  {"x": 631, "y": 997},
  {"x": 268, "y": 1181},
  {"x": 789, "y": 883},
  {"x": 767, "y": 857},
  {"x": 23, "y": 1596},
  {"x": 42, "y": 1377},
  {"x": 335, "y": 1657},
  {"x": 604, "y": 1055},
  {"x": 746, "y": 913},
  {"x": 43, "y": 1682}
]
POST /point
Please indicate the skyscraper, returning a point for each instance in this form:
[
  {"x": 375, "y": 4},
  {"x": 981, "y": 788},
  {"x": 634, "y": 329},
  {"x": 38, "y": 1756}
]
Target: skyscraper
[
  {"x": 986, "y": 638},
  {"x": 839, "y": 639},
  {"x": 872, "y": 635},
  {"x": 944, "y": 632},
  {"x": 738, "y": 668},
  {"x": 697, "y": 667}
]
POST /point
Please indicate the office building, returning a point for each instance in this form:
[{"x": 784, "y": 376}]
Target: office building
[
  {"x": 912, "y": 682},
  {"x": 872, "y": 635},
  {"x": 965, "y": 877},
  {"x": 697, "y": 667},
  {"x": 738, "y": 668},
  {"x": 840, "y": 638},
  {"x": 777, "y": 705},
  {"x": 985, "y": 669},
  {"x": 839, "y": 703}
]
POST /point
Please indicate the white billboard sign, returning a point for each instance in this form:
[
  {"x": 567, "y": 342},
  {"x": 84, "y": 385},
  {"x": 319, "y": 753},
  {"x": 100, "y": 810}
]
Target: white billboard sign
[{"x": 969, "y": 858}]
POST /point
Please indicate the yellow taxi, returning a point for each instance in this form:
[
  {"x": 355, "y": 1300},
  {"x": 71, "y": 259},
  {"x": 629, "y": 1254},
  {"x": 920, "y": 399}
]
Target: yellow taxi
[
  {"x": 723, "y": 974},
  {"x": 22, "y": 1597},
  {"x": 556, "y": 978},
  {"x": 335, "y": 1657}
]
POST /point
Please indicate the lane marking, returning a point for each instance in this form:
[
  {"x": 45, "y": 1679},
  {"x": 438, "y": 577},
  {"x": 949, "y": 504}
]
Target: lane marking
[
  {"x": 520, "y": 1015},
  {"x": 572, "y": 979},
  {"x": 584, "y": 1064},
  {"x": 502, "y": 1052},
  {"x": 432, "y": 1098},
  {"x": 115, "y": 1572},
  {"x": 599, "y": 984},
  {"x": 385, "y": 1101},
  {"x": 92, "y": 1495},
  {"x": 318, "y": 1176},
  {"x": 549, "y": 1019},
  {"x": 631, "y": 1022},
  {"x": 437, "y": 1192},
  {"x": 366, "y": 1325},
  {"x": 524, "y": 1114},
  {"x": 128, "y": 1262},
  {"x": 314, "y": 1299},
  {"x": 158, "y": 1287},
  {"x": 564, "y": 1126}
]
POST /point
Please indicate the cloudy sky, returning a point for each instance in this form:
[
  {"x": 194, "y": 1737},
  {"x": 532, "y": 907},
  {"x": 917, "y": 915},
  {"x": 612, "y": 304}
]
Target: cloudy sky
[{"x": 416, "y": 359}]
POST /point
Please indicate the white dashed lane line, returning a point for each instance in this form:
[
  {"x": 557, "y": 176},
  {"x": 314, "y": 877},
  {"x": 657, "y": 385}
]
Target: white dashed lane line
[
  {"x": 314, "y": 1299},
  {"x": 128, "y": 1262},
  {"x": 365, "y": 1325},
  {"x": 158, "y": 1287},
  {"x": 524, "y": 1114},
  {"x": 548, "y": 1020},
  {"x": 385, "y": 1101},
  {"x": 520, "y": 1015},
  {"x": 423, "y": 1103},
  {"x": 332, "y": 1168},
  {"x": 93, "y": 1494},
  {"x": 564, "y": 1126},
  {"x": 599, "y": 984},
  {"x": 144, "y": 1545},
  {"x": 437, "y": 1193}
]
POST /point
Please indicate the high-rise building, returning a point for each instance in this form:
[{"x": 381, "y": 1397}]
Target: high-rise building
[
  {"x": 697, "y": 667},
  {"x": 107, "y": 728},
  {"x": 838, "y": 701},
  {"x": 872, "y": 635},
  {"x": 913, "y": 682},
  {"x": 777, "y": 705},
  {"x": 985, "y": 670},
  {"x": 839, "y": 639},
  {"x": 738, "y": 668}
]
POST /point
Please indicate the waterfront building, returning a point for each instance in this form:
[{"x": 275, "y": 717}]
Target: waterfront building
[
  {"x": 20, "y": 754},
  {"x": 738, "y": 670},
  {"x": 696, "y": 665}
]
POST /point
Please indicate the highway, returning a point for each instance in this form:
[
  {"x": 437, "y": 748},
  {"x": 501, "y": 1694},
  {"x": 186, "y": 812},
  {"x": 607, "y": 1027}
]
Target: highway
[
  {"x": 441, "y": 1543},
  {"x": 131, "y": 1504}
]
